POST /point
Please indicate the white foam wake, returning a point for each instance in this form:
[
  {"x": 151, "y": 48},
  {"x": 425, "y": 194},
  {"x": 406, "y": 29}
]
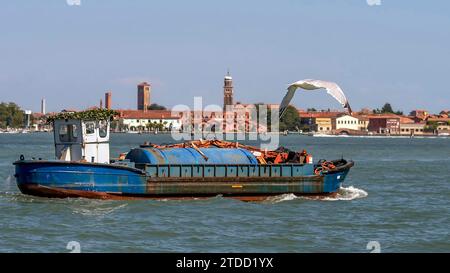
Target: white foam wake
[
  {"x": 347, "y": 194},
  {"x": 281, "y": 198},
  {"x": 10, "y": 180},
  {"x": 344, "y": 194}
]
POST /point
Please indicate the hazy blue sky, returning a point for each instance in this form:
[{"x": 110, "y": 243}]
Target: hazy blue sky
[{"x": 397, "y": 52}]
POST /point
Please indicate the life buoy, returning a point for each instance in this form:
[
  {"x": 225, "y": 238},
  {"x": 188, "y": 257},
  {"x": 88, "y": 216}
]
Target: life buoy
[
  {"x": 318, "y": 170},
  {"x": 328, "y": 166}
]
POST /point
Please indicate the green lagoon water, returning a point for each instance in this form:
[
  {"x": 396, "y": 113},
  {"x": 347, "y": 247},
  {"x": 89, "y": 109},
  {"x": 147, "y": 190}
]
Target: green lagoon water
[{"x": 398, "y": 194}]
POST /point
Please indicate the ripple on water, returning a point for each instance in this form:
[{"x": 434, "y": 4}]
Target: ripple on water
[
  {"x": 407, "y": 211},
  {"x": 96, "y": 208}
]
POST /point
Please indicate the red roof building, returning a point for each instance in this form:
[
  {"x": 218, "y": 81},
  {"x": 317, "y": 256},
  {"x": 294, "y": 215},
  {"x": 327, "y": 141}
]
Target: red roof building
[
  {"x": 419, "y": 115},
  {"x": 308, "y": 115},
  {"x": 384, "y": 123},
  {"x": 150, "y": 114}
]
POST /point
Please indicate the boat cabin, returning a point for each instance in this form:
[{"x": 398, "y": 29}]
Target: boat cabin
[{"x": 82, "y": 140}]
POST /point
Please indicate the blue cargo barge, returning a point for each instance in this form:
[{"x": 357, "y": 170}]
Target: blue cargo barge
[{"x": 189, "y": 170}]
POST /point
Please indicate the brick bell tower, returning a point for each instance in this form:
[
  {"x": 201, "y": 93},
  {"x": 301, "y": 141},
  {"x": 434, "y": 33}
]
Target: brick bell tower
[{"x": 227, "y": 90}]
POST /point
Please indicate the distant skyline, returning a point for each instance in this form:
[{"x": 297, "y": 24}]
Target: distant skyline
[{"x": 396, "y": 52}]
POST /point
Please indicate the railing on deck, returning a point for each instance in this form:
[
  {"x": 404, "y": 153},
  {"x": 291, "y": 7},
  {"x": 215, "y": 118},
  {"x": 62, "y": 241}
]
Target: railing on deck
[{"x": 227, "y": 170}]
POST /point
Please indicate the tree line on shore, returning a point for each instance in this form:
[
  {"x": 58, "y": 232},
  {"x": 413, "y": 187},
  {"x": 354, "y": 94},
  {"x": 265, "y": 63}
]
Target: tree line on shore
[{"x": 11, "y": 116}]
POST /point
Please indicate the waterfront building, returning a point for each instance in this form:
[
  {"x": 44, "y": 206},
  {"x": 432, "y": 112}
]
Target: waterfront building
[
  {"x": 323, "y": 125},
  {"x": 345, "y": 121},
  {"x": 40, "y": 122},
  {"x": 143, "y": 97},
  {"x": 443, "y": 130},
  {"x": 439, "y": 120},
  {"x": 308, "y": 119},
  {"x": 137, "y": 120},
  {"x": 363, "y": 122},
  {"x": 384, "y": 123},
  {"x": 412, "y": 129}
]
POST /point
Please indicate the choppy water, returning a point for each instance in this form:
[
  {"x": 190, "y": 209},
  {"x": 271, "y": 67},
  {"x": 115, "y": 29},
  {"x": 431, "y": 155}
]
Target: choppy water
[{"x": 397, "y": 194}]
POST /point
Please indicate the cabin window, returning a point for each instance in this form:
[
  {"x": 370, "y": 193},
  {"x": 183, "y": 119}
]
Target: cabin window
[
  {"x": 63, "y": 133},
  {"x": 90, "y": 128},
  {"x": 74, "y": 132},
  {"x": 68, "y": 133},
  {"x": 103, "y": 129}
]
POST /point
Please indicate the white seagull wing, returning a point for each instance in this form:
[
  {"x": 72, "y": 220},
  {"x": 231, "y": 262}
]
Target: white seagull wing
[
  {"x": 332, "y": 89},
  {"x": 287, "y": 99}
]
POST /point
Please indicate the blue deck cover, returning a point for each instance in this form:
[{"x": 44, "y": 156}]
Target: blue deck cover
[{"x": 191, "y": 156}]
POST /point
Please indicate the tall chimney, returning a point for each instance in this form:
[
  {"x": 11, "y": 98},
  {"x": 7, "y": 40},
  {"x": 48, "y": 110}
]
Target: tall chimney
[{"x": 43, "y": 111}]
